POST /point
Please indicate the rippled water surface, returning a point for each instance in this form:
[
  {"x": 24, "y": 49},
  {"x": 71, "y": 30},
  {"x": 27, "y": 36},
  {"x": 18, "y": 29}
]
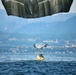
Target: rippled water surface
[{"x": 38, "y": 68}]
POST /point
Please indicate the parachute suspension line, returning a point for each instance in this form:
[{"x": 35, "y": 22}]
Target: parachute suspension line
[
  {"x": 57, "y": 7},
  {"x": 14, "y": 1},
  {"x": 43, "y": 1},
  {"x": 41, "y": 8},
  {"x": 38, "y": 7},
  {"x": 62, "y": 5},
  {"x": 46, "y": 7},
  {"x": 30, "y": 7},
  {"x": 51, "y": 7}
]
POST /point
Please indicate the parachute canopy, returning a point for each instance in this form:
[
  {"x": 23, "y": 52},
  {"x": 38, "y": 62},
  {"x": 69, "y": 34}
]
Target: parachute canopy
[
  {"x": 36, "y": 8},
  {"x": 40, "y": 45}
]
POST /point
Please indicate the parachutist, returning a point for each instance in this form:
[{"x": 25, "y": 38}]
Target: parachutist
[{"x": 40, "y": 57}]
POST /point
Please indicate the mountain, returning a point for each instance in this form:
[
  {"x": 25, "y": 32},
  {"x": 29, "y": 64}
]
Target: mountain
[
  {"x": 59, "y": 27},
  {"x": 56, "y": 24}
]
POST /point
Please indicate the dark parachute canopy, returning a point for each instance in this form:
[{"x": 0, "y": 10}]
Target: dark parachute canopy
[{"x": 36, "y": 8}]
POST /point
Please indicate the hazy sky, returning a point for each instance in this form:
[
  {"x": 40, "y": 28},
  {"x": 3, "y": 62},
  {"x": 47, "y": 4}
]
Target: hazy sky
[{"x": 73, "y": 8}]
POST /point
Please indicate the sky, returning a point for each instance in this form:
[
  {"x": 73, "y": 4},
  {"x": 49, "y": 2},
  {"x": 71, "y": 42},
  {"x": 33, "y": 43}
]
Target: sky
[{"x": 72, "y": 10}]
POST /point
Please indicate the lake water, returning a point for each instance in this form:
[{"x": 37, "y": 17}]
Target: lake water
[{"x": 38, "y": 68}]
